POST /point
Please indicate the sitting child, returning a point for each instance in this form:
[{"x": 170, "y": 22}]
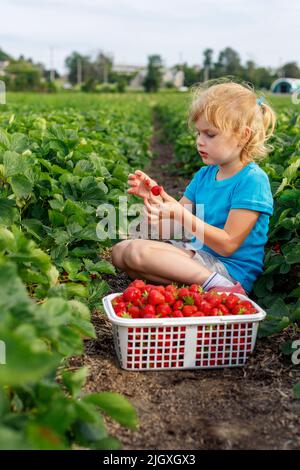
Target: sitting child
[{"x": 232, "y": 127}]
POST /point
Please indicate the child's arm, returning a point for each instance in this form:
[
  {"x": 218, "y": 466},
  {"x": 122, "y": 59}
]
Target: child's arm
[
  {"x": 172, "y": 227},
  {"x": 225, "y": 241}
]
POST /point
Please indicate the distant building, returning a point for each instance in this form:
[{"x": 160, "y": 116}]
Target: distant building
[
  {"x": 124, "y": 68},
  {"x": 285, "y": 85},
  {"x": 175, "y": 77}
]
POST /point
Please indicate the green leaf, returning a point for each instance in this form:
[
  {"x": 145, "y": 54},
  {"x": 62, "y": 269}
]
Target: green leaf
[
  {"x": 270, "y": 327},
  {"x": 116, "y": 406},
  {"x": 43, "y": 437},
  {"x": 4, "y": 139},
  {"x": 296, "y": 390},
  {"x": 74, "y": 381},
  {"x": 15, "y": 164},
  {"x": 74, "y": 289},
  {"x": 8, "y": 212},
  {"x": 11, "y": 439},
  {"x": 291, "y": 172},
  {"x": 23, "y": 363},
  {"x": 21, "y": 186},
  {"x": 279, "y": 309}
]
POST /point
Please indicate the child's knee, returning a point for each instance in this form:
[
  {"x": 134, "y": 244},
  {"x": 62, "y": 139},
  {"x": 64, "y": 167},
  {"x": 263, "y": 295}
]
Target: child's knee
[
  {"x": 118, "y": 253},
  {"x": 134, "y": 256}
]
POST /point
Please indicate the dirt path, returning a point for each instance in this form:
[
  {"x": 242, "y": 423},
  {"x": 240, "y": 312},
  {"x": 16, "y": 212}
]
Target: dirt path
[{"x": 239, "y": 408}]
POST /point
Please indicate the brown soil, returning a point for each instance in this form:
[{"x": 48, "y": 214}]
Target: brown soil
[{"x": 250, "y": 407}]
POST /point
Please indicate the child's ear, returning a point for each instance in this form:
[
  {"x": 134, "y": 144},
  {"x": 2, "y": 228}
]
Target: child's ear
[{"x": 245, "y": 136}]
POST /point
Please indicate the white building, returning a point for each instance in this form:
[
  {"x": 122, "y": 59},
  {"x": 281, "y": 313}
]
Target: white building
[{"x": 285, "y": 85}]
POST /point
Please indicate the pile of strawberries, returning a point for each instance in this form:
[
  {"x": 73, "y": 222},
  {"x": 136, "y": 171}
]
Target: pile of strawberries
[{"x": 141, "y": 300}]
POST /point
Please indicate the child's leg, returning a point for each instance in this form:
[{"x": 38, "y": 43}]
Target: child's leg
[
  {"x": 164, "y": 261},
  {"x": 149, "y": 277}
]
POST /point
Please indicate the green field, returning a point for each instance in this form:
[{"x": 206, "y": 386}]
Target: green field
[{"x": 61, "y": 156}]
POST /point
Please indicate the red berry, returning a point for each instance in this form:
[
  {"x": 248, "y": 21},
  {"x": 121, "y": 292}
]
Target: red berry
[
  {"x": 156, "y": 190},
  {"x": 155, "y": 297},
  {"x": 163, "y": 310},
  {"x": 183, "y": 292}
]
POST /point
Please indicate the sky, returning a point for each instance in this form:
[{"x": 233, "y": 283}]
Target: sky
[{"x": 130, "y": 30}]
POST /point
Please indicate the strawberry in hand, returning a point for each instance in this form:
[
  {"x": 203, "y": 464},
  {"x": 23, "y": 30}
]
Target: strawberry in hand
[{"x": 141, "y": 184}]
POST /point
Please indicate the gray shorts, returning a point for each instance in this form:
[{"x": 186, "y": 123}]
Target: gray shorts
[{"x": 204, "y": 258}]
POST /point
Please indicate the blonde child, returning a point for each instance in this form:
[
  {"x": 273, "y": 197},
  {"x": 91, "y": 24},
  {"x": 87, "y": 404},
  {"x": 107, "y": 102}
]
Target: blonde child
[{"x": 227, "y": 252}]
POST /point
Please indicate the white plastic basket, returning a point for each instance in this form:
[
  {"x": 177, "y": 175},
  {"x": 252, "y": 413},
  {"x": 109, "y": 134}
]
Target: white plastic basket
[{"x": 183, "y": 343}]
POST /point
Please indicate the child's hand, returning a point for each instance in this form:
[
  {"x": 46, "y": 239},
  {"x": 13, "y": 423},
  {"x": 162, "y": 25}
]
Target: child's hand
[
  {"x": 141, "y": 184},
  {"x": 165, "y": 208}
]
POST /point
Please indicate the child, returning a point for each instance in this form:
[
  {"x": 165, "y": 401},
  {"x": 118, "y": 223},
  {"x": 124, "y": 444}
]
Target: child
[{"x": 227, "y": 250}]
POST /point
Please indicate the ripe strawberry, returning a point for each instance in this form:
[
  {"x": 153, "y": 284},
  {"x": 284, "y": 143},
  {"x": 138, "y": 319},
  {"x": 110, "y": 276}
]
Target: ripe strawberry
[
  {"x": 215, "y": 312},
  {"x": 195, "y": 288},
  {"x": 178, "y": 305},
  {"x": 246, "y": 304},
  {"x": 277, "y": 248},
  {"x": 149, "y": 287},
  {"x": 171, "y": 288},
  {"x": 163, "y": 310},
  {"x": 213, "y": 298},
  {"x": 238, "y": 310},
  {"x": 188, "y": 310},
  {"x": 148, "y": 310},
  {"x": 132, "y": 294},
  {"x": 183, "y": 292},
  {"x": 170, "y": 297},
  {"x": 156, "y": 297},
  {"x": 155, "y": 190},
  {"x": 149, "y": 315},
  {"x": 119, "y": 307},
  {"x": 160, "y": 289},
  {"x": 138, "y": 284},
  {"x": 117, "y": 299},
  {"x": 223, "y": 309},
  {"x": 231, "y": 301},
  {"x": 205, "y": 307},
  {"x": 197, "y": 298},
  {"x": 177, "y": 313},
  {"x": 134, "y": 311}
]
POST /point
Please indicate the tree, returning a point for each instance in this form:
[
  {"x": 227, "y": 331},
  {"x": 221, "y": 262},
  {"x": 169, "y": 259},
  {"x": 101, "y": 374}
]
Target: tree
[
  {"x": 4, "y": 56},
  {"x": 103, "y": 67},
  {"x": 291, "y": 70},
  {"x": 207, "y": 62},
  {"x": 229, "y": 63},
  {"x": 153, "y": 77},
  {"x": 80, "y": 67},
  {"x": 23, "y": 75}
]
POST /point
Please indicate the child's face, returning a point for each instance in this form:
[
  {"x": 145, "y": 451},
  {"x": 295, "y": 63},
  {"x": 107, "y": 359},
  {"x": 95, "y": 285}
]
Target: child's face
[{"x": 214, "y": 147}]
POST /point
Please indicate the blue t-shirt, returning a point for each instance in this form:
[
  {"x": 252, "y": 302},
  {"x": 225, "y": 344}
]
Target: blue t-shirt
[{"x": 250, "y": 189}]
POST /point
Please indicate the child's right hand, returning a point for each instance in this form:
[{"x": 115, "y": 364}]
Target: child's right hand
[{"x": 141, "y": 184}]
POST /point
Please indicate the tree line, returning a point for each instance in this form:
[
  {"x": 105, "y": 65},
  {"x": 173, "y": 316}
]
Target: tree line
[{"x": 98, "y": 74}]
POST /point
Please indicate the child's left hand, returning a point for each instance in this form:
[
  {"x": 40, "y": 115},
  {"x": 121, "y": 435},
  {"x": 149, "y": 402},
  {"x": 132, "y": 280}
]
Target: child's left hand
[{"x": 168, "y": 209}]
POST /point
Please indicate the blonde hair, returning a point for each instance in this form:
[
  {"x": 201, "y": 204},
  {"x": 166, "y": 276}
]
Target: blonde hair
[{"x": 231, "y": 107}]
